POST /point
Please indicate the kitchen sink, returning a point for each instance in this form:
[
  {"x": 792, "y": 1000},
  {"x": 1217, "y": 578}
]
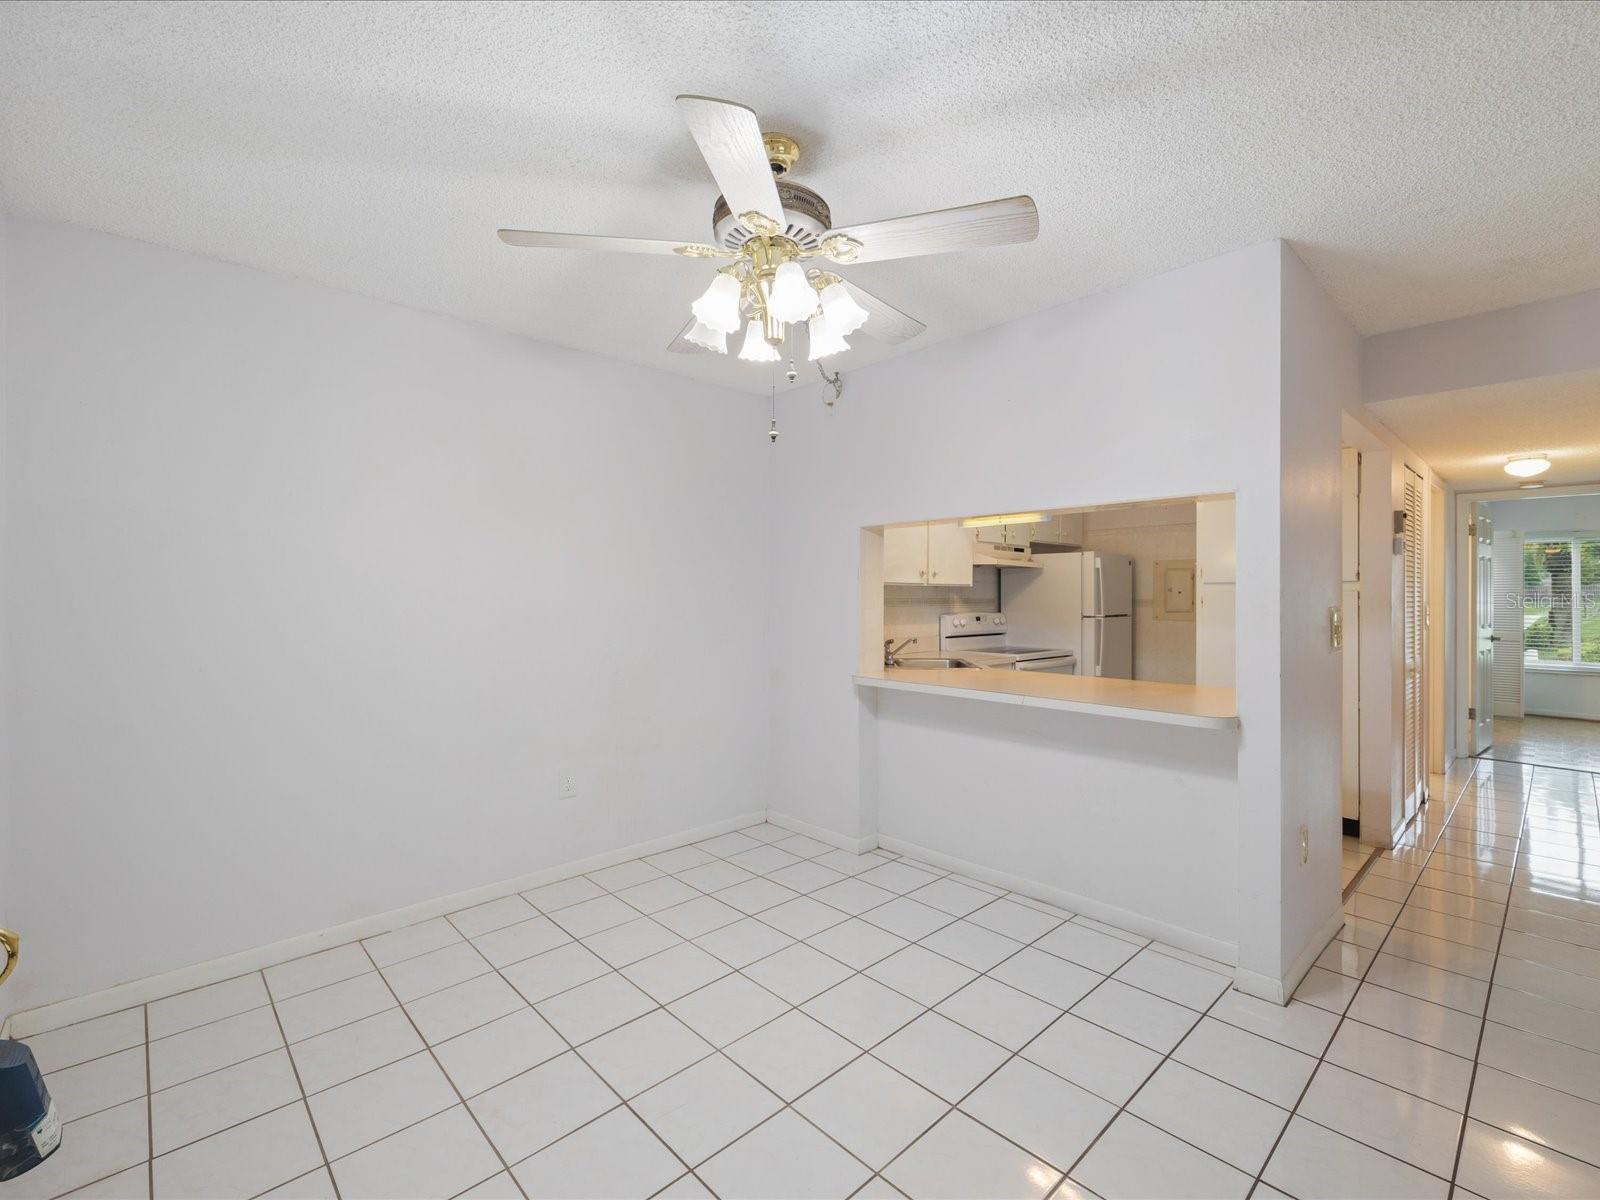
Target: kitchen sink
[{"x": 934, "y": 664}]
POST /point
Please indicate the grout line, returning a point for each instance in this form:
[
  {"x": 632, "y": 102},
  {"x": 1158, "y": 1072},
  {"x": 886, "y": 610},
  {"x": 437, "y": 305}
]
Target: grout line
[
  {"x": 300, "y": 1083},
  {"x": 438, "y": 1066},
  {"x": 1133, "y": 1095},
  {"x": 1343, "y": 1015},
  {"x": 149, "y": 1109},
  {"x": 952, "y": 918},
  {"x": 1137, "y": 948},
  {"x": 1472, "y": 1080}
]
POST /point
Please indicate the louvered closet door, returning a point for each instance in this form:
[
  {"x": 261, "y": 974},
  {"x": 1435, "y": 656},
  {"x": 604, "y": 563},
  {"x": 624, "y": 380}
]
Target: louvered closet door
[
  {"x": 1507, "y": 677},
  {"x": 1412, "y": 618}
]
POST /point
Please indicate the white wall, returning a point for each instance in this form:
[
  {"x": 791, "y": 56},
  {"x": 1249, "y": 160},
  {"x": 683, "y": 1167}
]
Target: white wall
[
  {"x": 309, "y": 596},
  {"x": 1547, "y": 337},
  {"x": 1551, "y": 514},
  {"x": 1170, "y": 386},
  {"x": 1321, "y": 365}
]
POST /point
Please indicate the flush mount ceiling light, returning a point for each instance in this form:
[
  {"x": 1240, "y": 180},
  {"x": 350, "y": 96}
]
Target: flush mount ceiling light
[
  {"x": 769, "y": 227},
  {"x": 1525, "y": 466},
  {"x": 1032, "y": 518}
]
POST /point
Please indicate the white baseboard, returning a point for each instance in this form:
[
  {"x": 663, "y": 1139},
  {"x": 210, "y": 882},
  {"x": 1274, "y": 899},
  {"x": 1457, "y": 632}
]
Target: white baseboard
[
  {"x": 1253, "y": 983},
  {"x": 853, "y": 845},
  {"x": 154, "y": 987},
  {"x": 1172, "y": 935},
  {"x": 1589, "y": 715}
]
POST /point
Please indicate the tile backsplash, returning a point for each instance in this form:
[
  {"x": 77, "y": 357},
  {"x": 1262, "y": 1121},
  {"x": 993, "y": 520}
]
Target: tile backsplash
[{"x": 912, "y": 610}]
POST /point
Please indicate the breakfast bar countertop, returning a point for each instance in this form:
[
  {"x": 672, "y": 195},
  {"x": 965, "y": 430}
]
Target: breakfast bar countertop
[{"x": 1130, "y": 699}]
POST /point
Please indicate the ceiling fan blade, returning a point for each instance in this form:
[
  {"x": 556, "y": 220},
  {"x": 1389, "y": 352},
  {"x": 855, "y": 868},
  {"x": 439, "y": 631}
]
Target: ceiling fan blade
[
  {"x": 992, "y": 223},
  {"x": 594, "y": 241},
  {"x": 885, "y": 322},
  {"x": 729, "y": 137}
]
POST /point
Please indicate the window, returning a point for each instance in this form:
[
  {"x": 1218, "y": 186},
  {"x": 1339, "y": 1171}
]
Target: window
[{"x": 1561, "y": 600}]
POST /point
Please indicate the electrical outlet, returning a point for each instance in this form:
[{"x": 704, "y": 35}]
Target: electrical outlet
[
  {"x": 1305, "y": 844},
  {"x": 568, "y": 786}
]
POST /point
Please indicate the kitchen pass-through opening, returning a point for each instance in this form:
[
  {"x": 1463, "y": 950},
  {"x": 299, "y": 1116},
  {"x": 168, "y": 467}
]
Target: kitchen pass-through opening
[{"x": 1140, "y": 591}]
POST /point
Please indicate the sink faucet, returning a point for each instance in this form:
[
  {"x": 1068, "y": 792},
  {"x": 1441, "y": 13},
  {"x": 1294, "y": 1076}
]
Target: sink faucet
[{"x": 889, "y": 659}]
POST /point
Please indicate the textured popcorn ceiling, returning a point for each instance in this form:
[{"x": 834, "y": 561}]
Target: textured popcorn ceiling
[
  {"x": 1428, "y": 160},
  {"x": 1467, "y": 435}
]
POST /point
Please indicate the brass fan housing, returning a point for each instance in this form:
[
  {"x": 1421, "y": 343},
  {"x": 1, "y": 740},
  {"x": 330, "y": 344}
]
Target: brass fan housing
[
  {"x": 782, "y": 152},
  {"x": 805, "y": 219}
]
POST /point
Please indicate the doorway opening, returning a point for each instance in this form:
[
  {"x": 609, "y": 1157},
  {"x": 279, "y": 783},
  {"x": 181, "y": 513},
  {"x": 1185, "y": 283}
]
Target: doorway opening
[{"x": 1536, "y": 694}]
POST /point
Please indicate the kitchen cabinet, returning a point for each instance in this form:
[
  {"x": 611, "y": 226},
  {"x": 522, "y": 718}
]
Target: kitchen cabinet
[
  {"x": 1215, "y": 548},
  {"x": 1063, "y": 529},
  {"x": 935, "y": 553},
  {"x": 1057, "y": 530}
]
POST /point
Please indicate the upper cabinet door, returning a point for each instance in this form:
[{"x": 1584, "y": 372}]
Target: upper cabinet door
[
  {"x": 905, "y": 555},
  {"x": 949, "y": 554},
  {"x": 1215, "y": 550},
  {"x": 1069, "y": 529}
]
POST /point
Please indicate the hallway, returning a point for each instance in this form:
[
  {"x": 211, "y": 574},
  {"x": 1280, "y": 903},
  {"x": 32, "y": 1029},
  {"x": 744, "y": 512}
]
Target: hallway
[
  {"x": 1547, "y": 742},
  {"x": 1467, "y": 983}
]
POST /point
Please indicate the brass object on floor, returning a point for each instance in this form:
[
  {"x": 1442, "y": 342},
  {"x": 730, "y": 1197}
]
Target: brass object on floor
[{"x": 12, "y": 941}]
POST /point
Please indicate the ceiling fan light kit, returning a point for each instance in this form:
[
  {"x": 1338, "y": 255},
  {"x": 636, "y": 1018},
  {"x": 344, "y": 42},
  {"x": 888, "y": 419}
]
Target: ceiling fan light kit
[
  {"x": 718, "y": 306},
  {"x": 825, "y": 339},
  {"x": 757, "y": 347},
  {"x": 769, "y": 227},
  {"x": 711, "y": 339}
]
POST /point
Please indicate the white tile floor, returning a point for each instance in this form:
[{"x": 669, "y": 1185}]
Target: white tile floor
[{"x": 761, "y": 1015}]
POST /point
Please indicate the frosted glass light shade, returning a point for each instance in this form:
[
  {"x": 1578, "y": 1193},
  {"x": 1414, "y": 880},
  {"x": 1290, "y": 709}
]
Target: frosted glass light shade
[
  {"x": 824, "y": 339},
  {"x": 792, "y": 298},
  {"x": 756, "y": 348},
  {"x": 712, "y": 339},
  {"x": 1528, "y": 464},
  {"x": 718, "y": 306},
  {"x": 845, "y": 316}
]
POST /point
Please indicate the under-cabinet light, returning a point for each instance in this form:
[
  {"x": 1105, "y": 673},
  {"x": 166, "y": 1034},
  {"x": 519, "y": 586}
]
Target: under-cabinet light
[{"x": 1004, "y": 519}]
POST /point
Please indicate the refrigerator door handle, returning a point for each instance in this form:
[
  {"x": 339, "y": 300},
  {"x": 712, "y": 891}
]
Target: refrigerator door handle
[
  {"x": 1099, "y": 649},
  {"x": 1099, "y": 589}
]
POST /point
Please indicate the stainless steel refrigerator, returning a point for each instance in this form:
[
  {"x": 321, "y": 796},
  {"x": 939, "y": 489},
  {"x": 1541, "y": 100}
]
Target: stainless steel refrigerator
[{"x": 1079, "y": 601}]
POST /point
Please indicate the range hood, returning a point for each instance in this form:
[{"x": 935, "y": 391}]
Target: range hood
[{"x": 990, "y": 554}]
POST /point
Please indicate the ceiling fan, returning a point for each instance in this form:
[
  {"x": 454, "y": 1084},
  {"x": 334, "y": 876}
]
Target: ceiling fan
[{"x": 770, "y": 227}]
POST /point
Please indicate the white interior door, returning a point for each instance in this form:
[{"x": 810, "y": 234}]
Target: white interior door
[
  {"x": 1507, "y": 679},
  {"x": 1350, "y": 712},
  {"x": 1414, "y": 777},
  {"x": 1435, "y": 705},
  {"x": 1350, "y": 606},
  {"x": 1481, "y": 710}
]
